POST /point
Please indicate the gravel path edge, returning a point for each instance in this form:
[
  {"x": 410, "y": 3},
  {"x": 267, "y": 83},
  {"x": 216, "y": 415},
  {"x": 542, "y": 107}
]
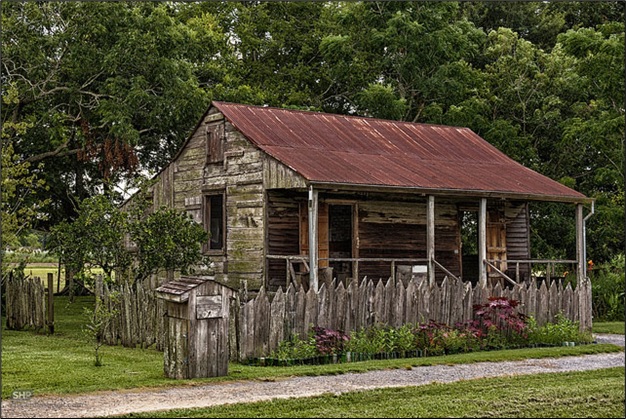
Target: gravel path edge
[{"x": 133, "y": 401}]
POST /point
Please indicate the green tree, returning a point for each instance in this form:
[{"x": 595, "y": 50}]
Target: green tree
[
  {"x": 396, "y": 59},
  {"x": 275, "y": 49},
  {"x": 18, "y": 182},
  {"x": 166, "y": 240},
  {"x": 593, "y": 137},
  {"x": 106, "y": 88},
  {"x": 130, "y": 242}
]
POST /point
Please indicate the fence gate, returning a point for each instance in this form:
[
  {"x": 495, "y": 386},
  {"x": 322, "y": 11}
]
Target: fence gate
[{"x": 197, "y": 322}]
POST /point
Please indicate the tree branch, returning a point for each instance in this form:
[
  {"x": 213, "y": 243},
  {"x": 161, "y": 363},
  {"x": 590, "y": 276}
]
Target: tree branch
[{"x": 61, "y": 151}]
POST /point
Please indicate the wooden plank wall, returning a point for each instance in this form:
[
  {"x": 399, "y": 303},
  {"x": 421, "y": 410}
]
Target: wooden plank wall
[
  {"x": 283, "y": 226},
  {"x": 241, "y": 175},
  {"x": 238, "y": 172},
  {"x": 391, "y": 229},
  {"x": 266, "y": 320},
  {"x": 518, "y": 236}
]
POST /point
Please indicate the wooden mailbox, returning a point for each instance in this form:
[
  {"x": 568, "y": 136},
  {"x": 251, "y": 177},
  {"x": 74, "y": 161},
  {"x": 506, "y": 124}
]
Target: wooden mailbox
[{"x": 198, "y": 314}]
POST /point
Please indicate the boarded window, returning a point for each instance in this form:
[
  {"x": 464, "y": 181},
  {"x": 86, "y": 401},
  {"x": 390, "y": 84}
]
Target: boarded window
[
  {"x": 214, "y": 222},
  {"x": 215, "y": 143}
]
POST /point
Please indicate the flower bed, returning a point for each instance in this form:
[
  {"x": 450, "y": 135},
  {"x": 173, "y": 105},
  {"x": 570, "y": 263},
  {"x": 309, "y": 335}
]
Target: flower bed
[{"x": 496, "y": 325}]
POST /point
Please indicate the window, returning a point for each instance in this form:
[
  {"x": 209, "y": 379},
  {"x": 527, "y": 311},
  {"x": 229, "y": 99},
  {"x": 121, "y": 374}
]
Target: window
[
  {"x": 215, "y": 143},
  {"x": 214, "y": 222}
]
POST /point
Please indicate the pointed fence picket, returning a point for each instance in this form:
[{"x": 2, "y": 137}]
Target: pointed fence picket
[{"x": 392, "y": 303}]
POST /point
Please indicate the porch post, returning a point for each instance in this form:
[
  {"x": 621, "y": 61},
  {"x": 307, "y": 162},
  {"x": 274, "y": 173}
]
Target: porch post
[
  {"x": 430, "y": 238},
  {"x": 580, "y": 240},
  {"x": 313, "y": 246},
  {"x": 482, "y": 241}
]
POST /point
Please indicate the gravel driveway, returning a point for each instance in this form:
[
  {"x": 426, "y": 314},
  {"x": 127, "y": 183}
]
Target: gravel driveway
[{"x": 127, "y": 401}]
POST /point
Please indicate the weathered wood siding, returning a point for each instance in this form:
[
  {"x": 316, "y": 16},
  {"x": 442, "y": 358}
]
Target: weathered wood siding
[
  {"x": 278, "y": 176},
  {"x": 387, "y": 226},
  {"x": 283, "y": 226},
  {"x": 197, "y": 346},
  {"x": 233, "y": 167},
  {"x": 518, "y": 237},
  {"x": 391, "y": 229}
]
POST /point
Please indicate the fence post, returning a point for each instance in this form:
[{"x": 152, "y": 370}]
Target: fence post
[
  {"x": 99, "y": 290},
  {"x": 50, "y": 303}
]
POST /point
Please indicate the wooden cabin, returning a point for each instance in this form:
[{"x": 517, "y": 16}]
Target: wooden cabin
[{"x": 296, "y": 196}]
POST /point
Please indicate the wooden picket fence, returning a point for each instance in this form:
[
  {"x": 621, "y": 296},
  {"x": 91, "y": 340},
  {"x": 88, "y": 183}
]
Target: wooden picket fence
[
  {"x": 139, "y": 319},
  {"x": 260, "y": 324},
  {"x": 25, "y": 303},
  {"x": 264, "y": 322}
]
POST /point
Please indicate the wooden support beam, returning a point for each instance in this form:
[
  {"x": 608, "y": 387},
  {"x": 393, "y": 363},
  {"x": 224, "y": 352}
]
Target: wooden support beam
[
  {"x": 580, "y": 246},
  {"x": 355, "y": 241},
  {"x": 50, "y": 291},
  {"x": 430, "y": 238},
  {"x": 313, "y": 238},
  {"x": 482, "y": 241}
]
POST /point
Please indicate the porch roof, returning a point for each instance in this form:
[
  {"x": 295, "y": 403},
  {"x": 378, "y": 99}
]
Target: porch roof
[{"x": 347, "y": 150}]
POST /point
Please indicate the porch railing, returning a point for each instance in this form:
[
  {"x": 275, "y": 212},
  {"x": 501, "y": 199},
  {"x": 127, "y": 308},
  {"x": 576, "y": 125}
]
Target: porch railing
[
  {"x": 550, "y": 267},
  {"x": 495, "y": 264},
  {"x": 291, "y": 274}
]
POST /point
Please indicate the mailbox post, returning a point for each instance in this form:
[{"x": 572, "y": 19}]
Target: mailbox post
[{"x": 198, "y": 312}]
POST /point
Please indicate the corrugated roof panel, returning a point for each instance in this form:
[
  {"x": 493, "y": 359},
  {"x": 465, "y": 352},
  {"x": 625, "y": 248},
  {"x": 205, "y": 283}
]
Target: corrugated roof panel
[{"x": 327, "y": 148}]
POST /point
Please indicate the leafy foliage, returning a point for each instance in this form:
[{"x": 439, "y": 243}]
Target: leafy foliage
[
  {"x": 19, "y": 181},
  {"x": 607, "y": 289},
  {"x": 102, "y": 235},
  {"x": 98, "y": 319},
  {"x": 295, "y": 348},
  {"x": 499, "y": 323},
  {"x": 168, "y": 240},
  {"x": 329, "y": 341},
  {"x": 562, "y": 330},
  {"x": 95, "y": 91}
]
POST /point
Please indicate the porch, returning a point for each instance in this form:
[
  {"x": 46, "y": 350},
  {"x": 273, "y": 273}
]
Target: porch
[{"x": 401, "y": 236}]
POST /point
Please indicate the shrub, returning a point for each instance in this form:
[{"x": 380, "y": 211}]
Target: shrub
[
  {"x": 368, "y": 341},
  {"x": 430, "y": 336},
  {"x": 460, "y": 340},
  {"x": 329, "y": 341},
  {"x": 499, "y": 323},
  {"x": 563, "y": 330},
  {"x": 607, "y": 289},
  {"x": 295, "y": 348},
  {"x": 361, "y": 342},
  {"x": 402, "y": 339}
]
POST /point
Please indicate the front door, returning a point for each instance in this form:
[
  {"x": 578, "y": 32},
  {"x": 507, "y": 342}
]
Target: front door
[
  {"x": 322, "y": 232},
  {"x": 496, "y": 238}
]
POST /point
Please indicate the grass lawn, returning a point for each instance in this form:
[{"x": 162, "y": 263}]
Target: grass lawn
[
  {"x": 63, "y": 362},
  {"x": 598, "y": 394},
  {"x": 608, "y": 327}
]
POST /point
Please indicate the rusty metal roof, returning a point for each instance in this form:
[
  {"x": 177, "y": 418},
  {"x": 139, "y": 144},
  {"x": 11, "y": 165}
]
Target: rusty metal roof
[{"x": 348, "y": 150}]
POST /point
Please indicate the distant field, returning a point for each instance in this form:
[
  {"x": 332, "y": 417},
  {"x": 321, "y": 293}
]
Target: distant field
[{"x": 42, "y": 270}]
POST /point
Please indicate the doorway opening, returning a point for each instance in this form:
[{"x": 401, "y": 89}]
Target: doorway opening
[{"x": 340, "y": 240}]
